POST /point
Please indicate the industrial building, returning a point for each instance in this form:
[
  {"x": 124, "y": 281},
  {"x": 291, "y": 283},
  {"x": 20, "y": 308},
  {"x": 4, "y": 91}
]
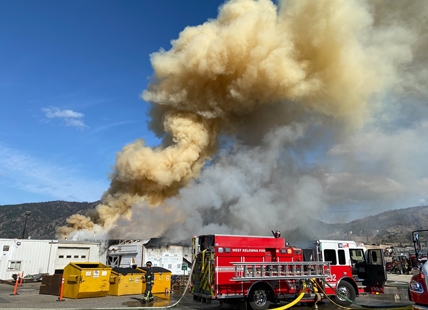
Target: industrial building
[
  {"x": 135, "y": 253},
  {"x": 36, "y": 257},
  {"x": 33, "y": 256}
]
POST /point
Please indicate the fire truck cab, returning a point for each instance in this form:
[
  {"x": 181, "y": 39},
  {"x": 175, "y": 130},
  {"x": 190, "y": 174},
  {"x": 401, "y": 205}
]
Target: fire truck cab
[
  {"x": 354, "y": 268},
  {"x": 256, "y": 271}
]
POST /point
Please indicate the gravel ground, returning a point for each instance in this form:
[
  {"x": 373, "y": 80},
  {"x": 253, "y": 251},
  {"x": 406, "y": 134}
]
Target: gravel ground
[{"x": 28, "y": 297}]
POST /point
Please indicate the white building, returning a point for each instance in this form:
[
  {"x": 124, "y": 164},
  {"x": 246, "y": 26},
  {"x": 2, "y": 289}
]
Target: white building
[
  {"x": 129, "y": 253},
  {"x": 33, "y": 256}
]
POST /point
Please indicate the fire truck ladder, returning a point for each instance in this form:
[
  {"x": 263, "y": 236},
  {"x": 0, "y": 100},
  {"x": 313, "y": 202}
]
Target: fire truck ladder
[{"x": 250, "y": 271}]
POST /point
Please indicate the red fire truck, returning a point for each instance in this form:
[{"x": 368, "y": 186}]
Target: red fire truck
[{"x": 259, "y": 270}]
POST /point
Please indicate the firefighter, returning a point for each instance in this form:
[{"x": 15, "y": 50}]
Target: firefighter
[
  {"x": 150, "y": 281},
  {"x": 406, "y": 266}
]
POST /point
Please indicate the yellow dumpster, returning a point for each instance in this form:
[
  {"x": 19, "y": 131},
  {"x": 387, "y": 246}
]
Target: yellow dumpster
[
  {"x": 83, "y": 280},
  {"x": 162, "y": 279},
  {"x": 125, "y": 281}
]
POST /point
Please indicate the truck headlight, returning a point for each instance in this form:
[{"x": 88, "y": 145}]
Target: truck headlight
[{"x": 416, "y": 287}]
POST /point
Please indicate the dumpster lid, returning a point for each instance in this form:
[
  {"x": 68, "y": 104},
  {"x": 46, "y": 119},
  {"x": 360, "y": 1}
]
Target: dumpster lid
[
  {"x": 88, "y": 265},
  {"x": 124, "y": 271},
  {"x": 156, "y": 269}
]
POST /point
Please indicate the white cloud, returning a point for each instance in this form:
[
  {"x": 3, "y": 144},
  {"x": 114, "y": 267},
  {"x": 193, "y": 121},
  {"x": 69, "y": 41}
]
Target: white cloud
[
  {"x": 55, "y": 112},
  {"x": 34, "y": 176},
  {"x": 74, "y": 122},
  {"x": 70, "y": 117}
]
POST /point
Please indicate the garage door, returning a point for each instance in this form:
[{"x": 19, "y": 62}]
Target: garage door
[{"x": 68, "y": 255}]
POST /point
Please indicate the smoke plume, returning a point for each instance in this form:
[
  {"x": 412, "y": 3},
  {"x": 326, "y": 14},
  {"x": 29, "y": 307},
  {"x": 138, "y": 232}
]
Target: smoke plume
[{"x": 266, "y": 114}]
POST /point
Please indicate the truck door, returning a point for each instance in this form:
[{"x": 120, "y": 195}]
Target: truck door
[
  {"x": 358, "y": 262},
  {"x": 376, "y": 274}
]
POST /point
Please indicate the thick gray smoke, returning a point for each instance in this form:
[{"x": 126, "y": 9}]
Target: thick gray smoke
[{"x": 275, "y": 113}]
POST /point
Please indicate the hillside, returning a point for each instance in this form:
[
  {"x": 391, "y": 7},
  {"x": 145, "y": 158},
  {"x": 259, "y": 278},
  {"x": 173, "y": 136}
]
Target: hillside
[
  {"x": 391, "y": 227},
  {"x": 44, "y": 218}
]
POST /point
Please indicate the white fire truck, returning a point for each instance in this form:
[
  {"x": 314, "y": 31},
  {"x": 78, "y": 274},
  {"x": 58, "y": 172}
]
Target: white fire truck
[{"x": 256, "y": 271}]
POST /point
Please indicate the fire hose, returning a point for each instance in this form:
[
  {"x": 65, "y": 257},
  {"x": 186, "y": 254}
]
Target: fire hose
[
  {"x": 163, "y": 307},
  {"x": 287, "y": 306},
  {"x": 181, "y": 297},
  {"x": 291, "y": 304}
]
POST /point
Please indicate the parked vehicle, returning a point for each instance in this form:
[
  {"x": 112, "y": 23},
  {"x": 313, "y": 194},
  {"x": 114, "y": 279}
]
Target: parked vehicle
[
  {"x": 259, "y": 271},
  {"x": 400, "y": 264},
  {"x": 418, "y": 286}
]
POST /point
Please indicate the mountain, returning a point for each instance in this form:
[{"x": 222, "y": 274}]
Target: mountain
[
  {"x": 390, "y": 227},
  {"x": 394, "y": 226},
  {"x": 43, "y": 220}
]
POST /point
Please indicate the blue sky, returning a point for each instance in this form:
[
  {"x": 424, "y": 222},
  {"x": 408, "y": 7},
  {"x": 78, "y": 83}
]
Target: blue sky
[{"x": 71, "y": 78}]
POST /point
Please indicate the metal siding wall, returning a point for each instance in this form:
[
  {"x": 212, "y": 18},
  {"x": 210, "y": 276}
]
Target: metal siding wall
[
  {"x": 39, "y": 256},
  {"x": 53, "y": 248},
  {"x": 5, "y": 257},
  {"x": 33, "y": 255}
]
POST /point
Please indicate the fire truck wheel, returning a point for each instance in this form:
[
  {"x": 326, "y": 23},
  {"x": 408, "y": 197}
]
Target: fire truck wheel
[
  {"x": 258, "y": 299},
  {"x": 346, "y": 289}
]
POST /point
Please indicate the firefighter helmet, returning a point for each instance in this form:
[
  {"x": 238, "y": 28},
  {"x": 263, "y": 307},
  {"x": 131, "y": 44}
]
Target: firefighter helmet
[{"x": 149, "y": 264}]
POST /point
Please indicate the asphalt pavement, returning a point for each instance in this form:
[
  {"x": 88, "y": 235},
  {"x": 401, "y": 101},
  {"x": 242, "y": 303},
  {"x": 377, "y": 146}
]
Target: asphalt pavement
[
  {"x": 28, "y": 297},
  {"x": 399, "y": 277}
]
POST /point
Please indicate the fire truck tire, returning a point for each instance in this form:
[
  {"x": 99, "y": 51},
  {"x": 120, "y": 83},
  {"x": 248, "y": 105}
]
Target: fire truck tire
[
  {"x": 346, "y": 289},
  {"x": 258, "y": 299}
]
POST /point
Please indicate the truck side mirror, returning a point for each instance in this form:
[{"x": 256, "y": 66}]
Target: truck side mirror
[{"x": 417, "y": 244}]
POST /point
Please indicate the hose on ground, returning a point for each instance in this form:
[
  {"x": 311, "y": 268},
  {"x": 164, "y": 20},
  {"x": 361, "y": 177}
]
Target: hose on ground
[
  {"x": 291, "y": 304},
  {"x": 287, "y": 306},
  {"x": 163, "y": 307}
]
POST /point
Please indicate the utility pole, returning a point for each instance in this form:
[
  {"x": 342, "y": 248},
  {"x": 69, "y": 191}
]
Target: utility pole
[{"x": 27, "y": 214}]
